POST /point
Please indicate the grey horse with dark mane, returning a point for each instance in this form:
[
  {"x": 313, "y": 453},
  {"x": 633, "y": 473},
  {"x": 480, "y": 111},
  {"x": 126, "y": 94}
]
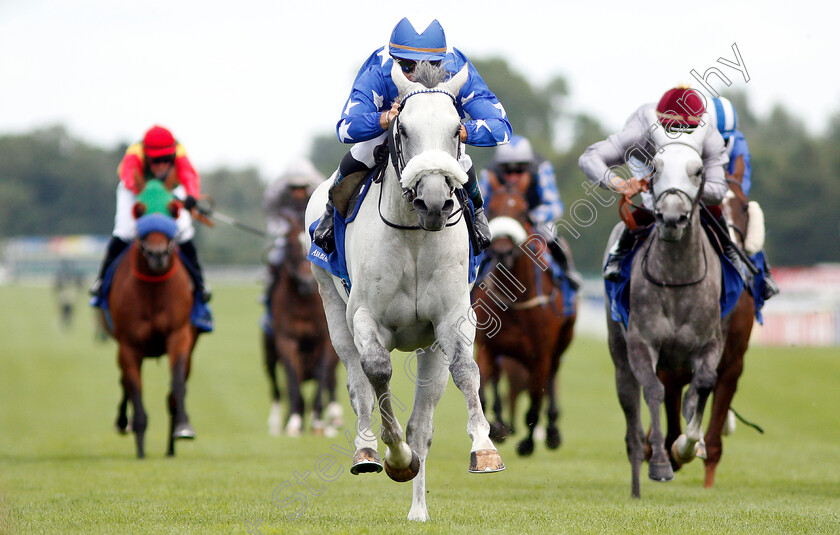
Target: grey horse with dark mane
[{"x": 674, "y": 315}]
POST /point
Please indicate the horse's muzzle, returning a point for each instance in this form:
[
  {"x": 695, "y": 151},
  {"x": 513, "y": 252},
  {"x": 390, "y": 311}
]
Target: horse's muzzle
[{"x": 433, "y": 217}]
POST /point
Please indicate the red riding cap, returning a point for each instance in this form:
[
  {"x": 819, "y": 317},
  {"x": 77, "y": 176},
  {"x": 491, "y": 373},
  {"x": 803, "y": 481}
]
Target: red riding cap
[
  {"x": 158, "y": 141},
  {"x": 681, "y": 106}
]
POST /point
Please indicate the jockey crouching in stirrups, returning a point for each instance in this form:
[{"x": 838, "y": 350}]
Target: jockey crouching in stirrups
[
  {"x": 158, "y": 157},
  {"x": 679, "y": 110},
  {"x": 516, "y": 166},
  {"x": 371, "y": 108}
]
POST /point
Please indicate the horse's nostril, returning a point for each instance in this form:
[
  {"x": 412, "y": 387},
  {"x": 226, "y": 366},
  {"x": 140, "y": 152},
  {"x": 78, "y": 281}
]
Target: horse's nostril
[
  {"x": 448, "y": 206},
  {"x": 683, "y": 220},
  {"x": 419, "y": 205}
]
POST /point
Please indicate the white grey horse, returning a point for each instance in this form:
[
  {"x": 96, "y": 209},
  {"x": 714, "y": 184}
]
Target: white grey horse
[
  {"x": 674, "y": 319},
  {"x": 409, "y": 289}
]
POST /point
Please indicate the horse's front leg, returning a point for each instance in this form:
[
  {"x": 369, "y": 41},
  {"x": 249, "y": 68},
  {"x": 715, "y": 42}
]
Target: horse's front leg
[
  {"x": 288, "y": 351},
  {"x": 365, "y": 458},
  {"x": 456, "y": 334},
  {"x": 179, "y": 346},
  {"x": 129, "y": 360},
  {"x": 643, "y": 360},
  {"x": 401, "y": 463}
]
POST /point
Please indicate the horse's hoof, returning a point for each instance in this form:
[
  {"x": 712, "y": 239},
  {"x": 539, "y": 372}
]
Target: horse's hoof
[
  {"x": 485, "y": 462},
  {"x": 122, "y": 429},
  {"x": 525, "y": 447},
  {"x": 728, "y": 424},
  {"x": 661, "y": 472},
  {"x": 553, "y": 439},
  {"x": 498, "y": 432},
  {"x": 700, "y": 450},
  {"x": 366, "y": 461},
  {"x": 401, "y": 475},
  {"x": 185, "y": 431},
  {"x": 682, "y": 444}
]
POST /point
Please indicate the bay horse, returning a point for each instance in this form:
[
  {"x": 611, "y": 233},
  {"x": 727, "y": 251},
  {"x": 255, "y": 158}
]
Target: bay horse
[
  {"x": 535, "y": 329},
  {"x": 674, "y": 315},
  {"x": 150, "y": 300},
  {"x": 408, "y": 264},
  {"x": 736, "y": 328},
  {"x": 299, "y": 339}
]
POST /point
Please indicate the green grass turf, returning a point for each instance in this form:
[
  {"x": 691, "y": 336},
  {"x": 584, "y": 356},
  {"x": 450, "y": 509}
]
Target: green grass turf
[{"x": 64, "y": 470}]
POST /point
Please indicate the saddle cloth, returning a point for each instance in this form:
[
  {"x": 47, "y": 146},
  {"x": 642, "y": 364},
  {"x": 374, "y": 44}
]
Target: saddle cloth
[
  {"x": 618, "y": 293},
  {"x": 336, "y": 263}
]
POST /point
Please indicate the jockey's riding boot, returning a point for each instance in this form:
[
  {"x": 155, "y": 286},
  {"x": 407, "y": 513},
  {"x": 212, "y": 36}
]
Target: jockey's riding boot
[
  {"x": 770, "y": 286},
  {"x": 115, "y": 247},
  {"x": 483, "y": 237},
  {"x": 203, "y": 291},
  {"x": 324, "y": 234},
  {"x": 559, "y": 256},
  {"x": 618, "y": 252}
]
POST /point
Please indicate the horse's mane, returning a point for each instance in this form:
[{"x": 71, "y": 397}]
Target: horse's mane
[{"x": 429, "y": 75}]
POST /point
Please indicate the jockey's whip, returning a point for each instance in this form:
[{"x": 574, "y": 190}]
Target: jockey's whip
[
  {"x": 754, "y": 426},
  {"x": 721, "y": 233},
  {"x": 222, "y": 218},
  {"x": 205, "y": 208}
]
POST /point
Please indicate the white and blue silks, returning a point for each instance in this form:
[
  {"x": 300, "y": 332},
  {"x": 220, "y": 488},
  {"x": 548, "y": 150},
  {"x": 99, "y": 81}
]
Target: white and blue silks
[{"x": 374, "y": 92}]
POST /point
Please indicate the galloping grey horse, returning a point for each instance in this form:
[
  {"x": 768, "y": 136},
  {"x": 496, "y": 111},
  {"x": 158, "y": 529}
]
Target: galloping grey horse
[
  {"x": 409, "y": 289},
  {"x": 674, "y": 318}
]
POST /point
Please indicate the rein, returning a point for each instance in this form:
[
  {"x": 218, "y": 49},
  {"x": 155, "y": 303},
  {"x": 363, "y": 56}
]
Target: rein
[
  {"x": 398, "y": 163},
  {"x": 663, "y": 284}
]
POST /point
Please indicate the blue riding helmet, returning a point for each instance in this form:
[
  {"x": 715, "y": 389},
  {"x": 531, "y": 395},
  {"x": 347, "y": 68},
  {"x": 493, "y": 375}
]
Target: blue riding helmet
[
  {"x": 727, "y": 119},
  {"x": 406, "y": 43}
]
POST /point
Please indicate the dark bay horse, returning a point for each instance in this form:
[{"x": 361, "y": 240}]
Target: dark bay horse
[
  {"x": 534, "y": 328},
  {"x": 299, "y": 340},
  {"x": 737, "y": 328},
  {"x": 150, "y": 300}
]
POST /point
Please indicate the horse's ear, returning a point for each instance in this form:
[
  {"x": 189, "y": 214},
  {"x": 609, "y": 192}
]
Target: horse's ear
[
  {"x": 138, "y": 210},
  {"x": 404, "y": 85},
  {"x": 174, "y": 208},
  {"x": 456, "y": 82}
]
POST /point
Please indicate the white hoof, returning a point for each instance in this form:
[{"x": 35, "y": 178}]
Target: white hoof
[
  {"x": 275, "y": 419},
  {"x": 334, "y": 414},
  {"x": 330, "y": 431},
  {"x": 729, "y": 424},
  {"x": 539, "y": 433},
  {"x": 700, "y": 450},
  {"x": 294, "y": 426},
  {"x": 683, "y": 449},
  {"x": 317, "y": 427},
  {"x": 418, "y": 514}
]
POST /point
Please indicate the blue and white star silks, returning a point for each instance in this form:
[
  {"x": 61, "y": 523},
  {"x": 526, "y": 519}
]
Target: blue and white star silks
[
  {"x": 343, "y": 127},
  {"x": 374, "y": 92}
]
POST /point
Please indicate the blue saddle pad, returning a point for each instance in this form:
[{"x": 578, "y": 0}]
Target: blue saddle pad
[
  {"x": 336, "y": 263},
  {"x": 618, "y": 293},
  {"x": 200, "y": 316},
  {"x": 758, "y": 284}
]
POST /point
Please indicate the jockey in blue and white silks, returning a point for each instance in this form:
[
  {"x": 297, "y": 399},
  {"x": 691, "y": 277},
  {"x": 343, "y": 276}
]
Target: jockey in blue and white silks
[
  {"x": 723, "y": 115},
  {"x": 517, "y": 166},
  {"x": 370, "y": 108}
]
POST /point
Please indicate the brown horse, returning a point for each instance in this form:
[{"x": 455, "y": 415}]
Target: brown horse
[
  {"x": 150, "y": 301},
  {"x": 737, "y": 327},
  {"x": 299, "y": 340},
  {"x": 534, "y": 329}
]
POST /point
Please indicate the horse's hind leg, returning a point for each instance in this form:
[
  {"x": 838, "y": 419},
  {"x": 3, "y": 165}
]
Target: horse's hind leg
[
  {"x": 401, "y": 463},
  {"x": 629, "y": 394},
  {"x": 536, "y": 384},
  {"x": 489, "y": 376},
  {"x": 121, "y": 425},
  {"x": 673, "y": 382},
  {"x": 430, "y": 383},
  {"x": 289, "y": 353},
  {"x": 275, "y": 415},
  {"x": 694, "y": 404},
  {"x": 553, "y": 439},
  {"x": 129, "y": 361}
]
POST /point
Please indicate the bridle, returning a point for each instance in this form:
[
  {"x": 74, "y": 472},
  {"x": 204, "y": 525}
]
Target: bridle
[
  {"x": 397, "y": 159},
  {"x": 153, "y": 257}
]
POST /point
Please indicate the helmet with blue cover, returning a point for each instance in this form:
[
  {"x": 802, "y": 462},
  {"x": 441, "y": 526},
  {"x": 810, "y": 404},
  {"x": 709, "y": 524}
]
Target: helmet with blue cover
[
  {"x": 724, "y": 116},
  {"x": 409, "y": 44}
]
